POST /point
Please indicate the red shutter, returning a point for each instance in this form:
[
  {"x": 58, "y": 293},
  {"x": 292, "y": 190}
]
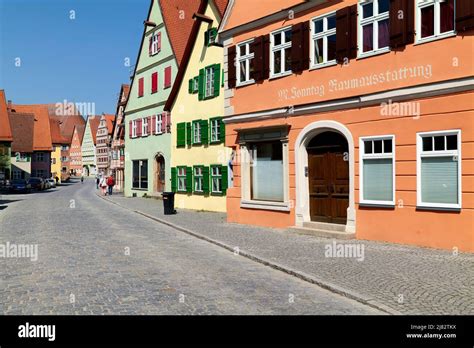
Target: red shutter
[
  {"x": 402, "y": 23},
  {"x": 300, "y": 47},
  {"x": 353, "y": 32},
  {"x": 130, "y": 129},
  {"x": 346, "y": 33},
  {"x": 153, "y": 124},
  {"x": 464, "y": 15},
  {"x": 165, "y": 118},
  {"x": 231, "y": 67},
  {"x": 150, "y": 43},
  {"x": 140, "y": 87},
  {"x": 159, "y": 41},
  {"x": 154, "y": 82},
  {"x": 167, "y": 77},
  {"x": 266, "y": 57},
  {"x": 149, "y": 125},
  {"x": 139, "y": 127}
]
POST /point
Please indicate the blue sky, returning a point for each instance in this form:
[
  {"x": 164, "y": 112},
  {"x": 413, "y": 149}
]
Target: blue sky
[{"x": 81, "y": 60}]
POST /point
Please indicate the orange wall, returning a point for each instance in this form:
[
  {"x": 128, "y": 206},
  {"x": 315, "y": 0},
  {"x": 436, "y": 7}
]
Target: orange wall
[{"x": 402, "y": 224}]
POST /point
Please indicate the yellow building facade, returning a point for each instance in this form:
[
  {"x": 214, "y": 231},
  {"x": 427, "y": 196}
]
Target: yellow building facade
[
  {"x": 200, "y": 169},
  {"x": 56, "y": 162}
]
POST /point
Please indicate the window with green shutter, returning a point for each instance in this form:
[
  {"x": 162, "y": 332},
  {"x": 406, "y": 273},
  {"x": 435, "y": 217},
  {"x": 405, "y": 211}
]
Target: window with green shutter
[
  {"x": 196, "y": 84},
  {"x": 181, "y": 134},
  {"x": 210, "y": 36},
  {"x": 201, "y": 83},
  {"x": 198, "y": 179},
  {"x": 189, "y": 179},
  {"x": 219, "y": 180},
  {"x": 188, "y": 133},
  {"x": 217, "y": 130},
  {"x": 174, "y": 173},
  {"x": 217, "y": 80},
  {"x": 181, "y": 178},
  {"x": 196, "y": 140},
  {"x": 204, "y": 132}
]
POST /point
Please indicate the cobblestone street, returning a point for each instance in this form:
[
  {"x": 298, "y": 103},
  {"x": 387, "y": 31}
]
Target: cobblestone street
[{"x": 97, "y": 258}]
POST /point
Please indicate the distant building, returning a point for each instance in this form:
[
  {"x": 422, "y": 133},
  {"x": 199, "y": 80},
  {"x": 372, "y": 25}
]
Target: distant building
[
  {"x": 89, "y": 161},
  {"x": 75, "y": 166},
  {"x": 5, "y": 139},
  {"x": 104, "y": 136},
  {"x": 22, "y": 125}
]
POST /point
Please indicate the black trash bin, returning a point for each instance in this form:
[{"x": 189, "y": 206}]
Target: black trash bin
[{"x": 168, "y": 203}]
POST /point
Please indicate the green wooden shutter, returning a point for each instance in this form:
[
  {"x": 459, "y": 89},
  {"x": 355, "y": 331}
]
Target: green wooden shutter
[
  {"x": 223, "y": 75},
  {"x": 225, "y": 180},
  {"x": 222, "y": 129},
  {"x": 190, "y": 86},
  {"x": 204, "y": 132},
  {"x": 217, "y": 79},
  {"x": 181, "y": 134},
  {"x": 174, "y": 187},
  {"x": 189, "y": 179},
  {"x": 206, "y": 38},
  {"x": 189, "y": 132},
  {"x": 205, "y": 179},
  {"x": 202, "y": 84}
]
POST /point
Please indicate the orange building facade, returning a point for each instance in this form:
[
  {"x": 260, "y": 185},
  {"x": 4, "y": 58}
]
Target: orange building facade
[{"x": 353, "y": 118}]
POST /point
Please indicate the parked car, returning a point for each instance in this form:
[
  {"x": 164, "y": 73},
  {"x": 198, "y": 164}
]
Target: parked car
[
  {"x": 37, "y": 184},
  {"x": 20, "y": 185},
  {"x": 47, "y": 184},
  {"x": 51, "y": 182}
]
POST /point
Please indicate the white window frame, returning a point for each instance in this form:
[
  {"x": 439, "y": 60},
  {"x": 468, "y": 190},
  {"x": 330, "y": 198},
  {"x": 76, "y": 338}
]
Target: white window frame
[
  {"x": 216, "y": 177},
  {"x": 134, "y": 128},
  {"x": 363, "y": 156},
  {"x": 282, "y": 47},
  {"x": 159, "y": 124},
  {"x": 209, "y": 87},
  {"x": 179, "y": 176},
  {"x": 145, "y": 127},
  {"x": 154, "y": 44},
  {"x": 324, "y": 35},
  {"x": 420, "y": 4},
  {"x": 215, "y": 130},
  {"x": 445, "y": 153},
  {"x": 374, "y": 20},
  {"x": 198, "y": 176},
  {"x": 197, "y": 136},
  {"x": 247, "y": 58}
]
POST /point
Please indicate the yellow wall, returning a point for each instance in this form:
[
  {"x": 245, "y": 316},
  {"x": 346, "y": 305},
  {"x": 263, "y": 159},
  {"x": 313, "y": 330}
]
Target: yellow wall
[
  {"x": 188, "y": 108},
  {"x": 56, "y": 168}
]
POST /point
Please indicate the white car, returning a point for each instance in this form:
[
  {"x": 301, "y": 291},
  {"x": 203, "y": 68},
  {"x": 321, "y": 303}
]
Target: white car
[{"x": 51, "y": 182}]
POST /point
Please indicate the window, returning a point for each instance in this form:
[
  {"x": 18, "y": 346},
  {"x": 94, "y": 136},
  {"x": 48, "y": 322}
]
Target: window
[
  {"x": 280, "y": 57},
  {"x": 159, "y": 124},
  {"x": 17, "y": 174},
  {"x": 40, "y": 173},
  {"x": 197, "y": 132},
  {"x": 40, "y": 157},
  {"x": 196, "y": 84},
  {"x": 324, "y": 40},
  {"x": 140, "y": 87},
  {"x": 23, "y": 157},
  {"x": 218, "y": 180},
  {"x": 154, "y": 82},
  {"x": 155, "y": 43},
  {"x": 439, "y": 169},
  {"x": 134, "y": 128},
  {"x": 244, "y": 66},
  {"x": 374, "y": 26},
  {"x": 266, "y": 163},
  {"x": 145, "y": 128},
  {"x": 64, "y": 148},
  {"x": 198, "y": 179},
  {"x": 377, "y": 170},
  {"x": 182, "y": 179},
  {"x": 435, "y": 18},
  {"x": 167, "y": 83},
  {"x": 209, "y": 87},
  {"x": 216, "y": 135},
  {"x": 140, "y": 174},
  {"x": 210, "y": 36}
]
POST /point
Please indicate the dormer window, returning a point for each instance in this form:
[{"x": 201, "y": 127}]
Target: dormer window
[{"x": 155, "y": 44}]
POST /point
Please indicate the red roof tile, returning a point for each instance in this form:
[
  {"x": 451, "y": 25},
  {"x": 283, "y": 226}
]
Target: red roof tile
[
  {"x": 56, "y": 136},
  {"x": 221, "y": 6},
  {"x": 80, "y": 131},
  {"x": 5, "y": 128},
  {"x": 22, "y": 125},
  {"x": 42, "y": 130}
]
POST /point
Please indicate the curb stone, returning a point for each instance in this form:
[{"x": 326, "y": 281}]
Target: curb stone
[{"x": 301, "y": 275}]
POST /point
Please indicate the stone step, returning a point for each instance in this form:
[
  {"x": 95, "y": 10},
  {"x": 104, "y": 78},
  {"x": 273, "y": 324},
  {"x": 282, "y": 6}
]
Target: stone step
[
  {"x": 325, "y": 226},
  {"x": 322, "y": 233}
]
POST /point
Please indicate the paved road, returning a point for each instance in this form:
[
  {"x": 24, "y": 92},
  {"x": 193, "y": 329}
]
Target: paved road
[{"x": 98, "y": 258}]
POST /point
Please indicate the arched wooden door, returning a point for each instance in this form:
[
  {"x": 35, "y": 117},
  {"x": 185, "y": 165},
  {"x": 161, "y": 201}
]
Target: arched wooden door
[
  {"x": 159, "y": 173},
  {"x": 328, "y": 176}
]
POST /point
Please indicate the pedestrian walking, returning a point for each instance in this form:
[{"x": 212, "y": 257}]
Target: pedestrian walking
[
  {"x": 97, "y": 181},
  {"x": 110, "y": 184},
  {"x": 82, "y": 179},
  {"x": 103, "y": 186}
]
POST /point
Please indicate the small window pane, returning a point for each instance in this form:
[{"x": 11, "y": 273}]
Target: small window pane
[
  {"x": 447, "y": 16},
  {"x": 367, "y": 38},
  {"x": 277, "y": 62},
  {"x": 368, "y": 146},
  {"x": 367, "y": 10},
  {"x": 318, "y": 48},
  {"x": 383, "y": 6},
  {"x": 288, "y": 36},
  {"x": 288, "y": 59},
  {"x": 451, "y": 142},
  {"x": 439, "y": 143},
  {"x": 277, "y": 39},
  {"x": 242, "y": 50},
  {"x": 331, "y": 47},
  {"x": 243, "y": 71},
  {"x": 427, "y": 143},
  {"x": 383, "y": 40},
  {"x": 387, "y": 146},
  {"x": 318, "y": 26},
  {"x": 331, "y": 22},
  {"x": 427, "y": 21},
  {"x": 377, "y": 146}
]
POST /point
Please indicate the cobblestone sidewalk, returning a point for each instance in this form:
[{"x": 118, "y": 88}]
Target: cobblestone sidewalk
[{"x": 397, "y": 278}]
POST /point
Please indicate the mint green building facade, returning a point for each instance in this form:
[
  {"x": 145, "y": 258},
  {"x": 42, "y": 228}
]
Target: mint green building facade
[{"x": 147, "y": 134}]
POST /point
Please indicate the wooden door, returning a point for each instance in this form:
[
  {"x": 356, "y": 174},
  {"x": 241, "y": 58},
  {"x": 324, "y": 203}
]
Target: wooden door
[
  {"x": 160, "y": 174},
  {"x": 328, "y": 177}
]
